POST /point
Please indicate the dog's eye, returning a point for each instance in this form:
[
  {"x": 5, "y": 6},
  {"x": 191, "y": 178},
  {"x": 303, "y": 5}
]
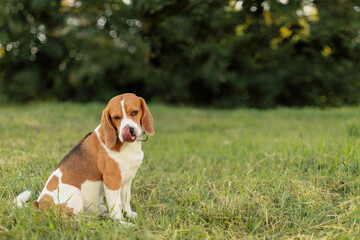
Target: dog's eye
[
  {"x": 117, "y": 118},
  {"x": 134, "y": 113}
]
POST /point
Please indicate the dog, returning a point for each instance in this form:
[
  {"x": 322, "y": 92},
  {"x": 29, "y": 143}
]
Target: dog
[{"x": 103, "y": 163}]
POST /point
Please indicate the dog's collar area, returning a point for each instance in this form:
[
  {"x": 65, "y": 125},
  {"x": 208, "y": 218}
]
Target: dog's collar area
[{"x": 144, "y": 140}]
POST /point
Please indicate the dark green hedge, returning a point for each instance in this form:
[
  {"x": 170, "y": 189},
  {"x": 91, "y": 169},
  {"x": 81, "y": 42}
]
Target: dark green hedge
[{"x": 218, "y": 53}]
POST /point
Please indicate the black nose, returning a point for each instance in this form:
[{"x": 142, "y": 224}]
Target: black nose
[{"x": 131, "y": 129}]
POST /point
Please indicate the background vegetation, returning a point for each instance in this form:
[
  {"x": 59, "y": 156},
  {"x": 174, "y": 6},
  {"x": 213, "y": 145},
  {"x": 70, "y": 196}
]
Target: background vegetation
[
  {"x": 286, "y": 173},
  {"x": 257, "y": 53},
  {"x": 283, "y": 174}
]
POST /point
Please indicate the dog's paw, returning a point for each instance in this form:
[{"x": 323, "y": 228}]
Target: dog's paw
[
  {"x": 131, "y": 214},
  {"x": 125, "y": 224},
  {"x": 102, "y": 210}
]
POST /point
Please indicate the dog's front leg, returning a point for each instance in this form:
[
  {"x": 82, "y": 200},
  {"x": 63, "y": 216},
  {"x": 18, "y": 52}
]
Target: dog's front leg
[
  {"x": 114, "y": 204},
  {"x": 125, "y": 200}
]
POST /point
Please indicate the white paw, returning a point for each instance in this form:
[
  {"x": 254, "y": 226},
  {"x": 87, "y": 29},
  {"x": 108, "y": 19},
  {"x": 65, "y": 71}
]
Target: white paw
[
  {"x": 102, "y": 210},
  {"x": 131, "y": 214},
  {"x": 126, "y": 224},
  {"x": 118, "y": 216}
]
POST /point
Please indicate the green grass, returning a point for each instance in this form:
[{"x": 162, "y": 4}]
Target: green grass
[{"x": 234, "y": 174}]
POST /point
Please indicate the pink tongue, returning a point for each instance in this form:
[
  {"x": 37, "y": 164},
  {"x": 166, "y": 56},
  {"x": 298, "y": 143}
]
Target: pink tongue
[{"x": 127, "y": 135}]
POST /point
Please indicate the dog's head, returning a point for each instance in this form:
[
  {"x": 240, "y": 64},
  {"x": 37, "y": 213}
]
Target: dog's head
[{"x": 124, "y": 119}]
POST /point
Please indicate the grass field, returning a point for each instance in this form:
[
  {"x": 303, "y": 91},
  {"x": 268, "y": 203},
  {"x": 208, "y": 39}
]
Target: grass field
[{"x": 234, "y": 174}]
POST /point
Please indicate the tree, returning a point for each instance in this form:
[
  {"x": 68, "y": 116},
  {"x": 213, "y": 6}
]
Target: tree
[{"x": 257, "y": 53}]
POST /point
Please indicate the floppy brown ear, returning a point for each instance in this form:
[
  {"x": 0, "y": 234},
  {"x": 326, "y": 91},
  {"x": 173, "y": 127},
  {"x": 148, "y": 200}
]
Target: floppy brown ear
[
  {"x": 107, "y": 130},
  {"x": 147, "y": 119}
]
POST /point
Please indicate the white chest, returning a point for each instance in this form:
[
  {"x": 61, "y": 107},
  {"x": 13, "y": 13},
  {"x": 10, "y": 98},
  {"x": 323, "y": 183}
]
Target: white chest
[{"x": 129, "y": 160}]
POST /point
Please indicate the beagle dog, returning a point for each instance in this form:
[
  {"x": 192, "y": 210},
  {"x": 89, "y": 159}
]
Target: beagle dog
[{"x": 103, "y": 163}]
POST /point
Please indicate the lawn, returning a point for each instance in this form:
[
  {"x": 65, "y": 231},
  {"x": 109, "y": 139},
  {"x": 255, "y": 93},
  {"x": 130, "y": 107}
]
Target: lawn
[{"x": 222, "y": 174}]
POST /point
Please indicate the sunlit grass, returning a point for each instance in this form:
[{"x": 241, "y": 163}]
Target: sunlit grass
[{"x": 206, "y": 173}]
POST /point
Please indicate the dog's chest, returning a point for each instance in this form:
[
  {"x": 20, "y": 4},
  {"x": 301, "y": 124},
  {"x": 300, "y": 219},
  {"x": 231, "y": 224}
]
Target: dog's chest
[{"x": 129, "y": 160}]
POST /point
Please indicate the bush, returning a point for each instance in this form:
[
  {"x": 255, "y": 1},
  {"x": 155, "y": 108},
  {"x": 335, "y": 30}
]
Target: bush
[{"x": 213, "y": 53}]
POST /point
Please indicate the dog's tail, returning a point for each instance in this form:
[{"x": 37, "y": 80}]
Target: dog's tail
[{"x": 22, "y": 198}]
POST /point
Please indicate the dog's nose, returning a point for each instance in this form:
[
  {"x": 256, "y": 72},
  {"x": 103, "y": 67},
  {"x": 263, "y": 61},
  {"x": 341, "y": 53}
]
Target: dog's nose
[{"x": 131, "y": 129}]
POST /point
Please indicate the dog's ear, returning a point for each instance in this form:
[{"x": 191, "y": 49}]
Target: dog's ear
[
  {"x": 146, "y": 119},
  {"x": 107, "y": 130}
]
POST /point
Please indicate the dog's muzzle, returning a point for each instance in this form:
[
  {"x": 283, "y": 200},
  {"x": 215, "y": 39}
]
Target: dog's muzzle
[{"x": 128, "y": 134}]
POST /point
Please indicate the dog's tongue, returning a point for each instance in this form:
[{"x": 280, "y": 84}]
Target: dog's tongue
[{"x": 127, "y": 135}]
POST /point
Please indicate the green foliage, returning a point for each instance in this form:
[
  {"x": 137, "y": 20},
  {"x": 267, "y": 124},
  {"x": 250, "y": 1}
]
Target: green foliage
[
  {"x": 257, "y": 53},
  {"x": 239, "y": 174}
]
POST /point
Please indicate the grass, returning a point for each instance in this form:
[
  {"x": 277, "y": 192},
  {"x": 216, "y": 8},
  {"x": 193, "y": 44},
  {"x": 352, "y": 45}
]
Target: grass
[{"x": 234, "y": 174}]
